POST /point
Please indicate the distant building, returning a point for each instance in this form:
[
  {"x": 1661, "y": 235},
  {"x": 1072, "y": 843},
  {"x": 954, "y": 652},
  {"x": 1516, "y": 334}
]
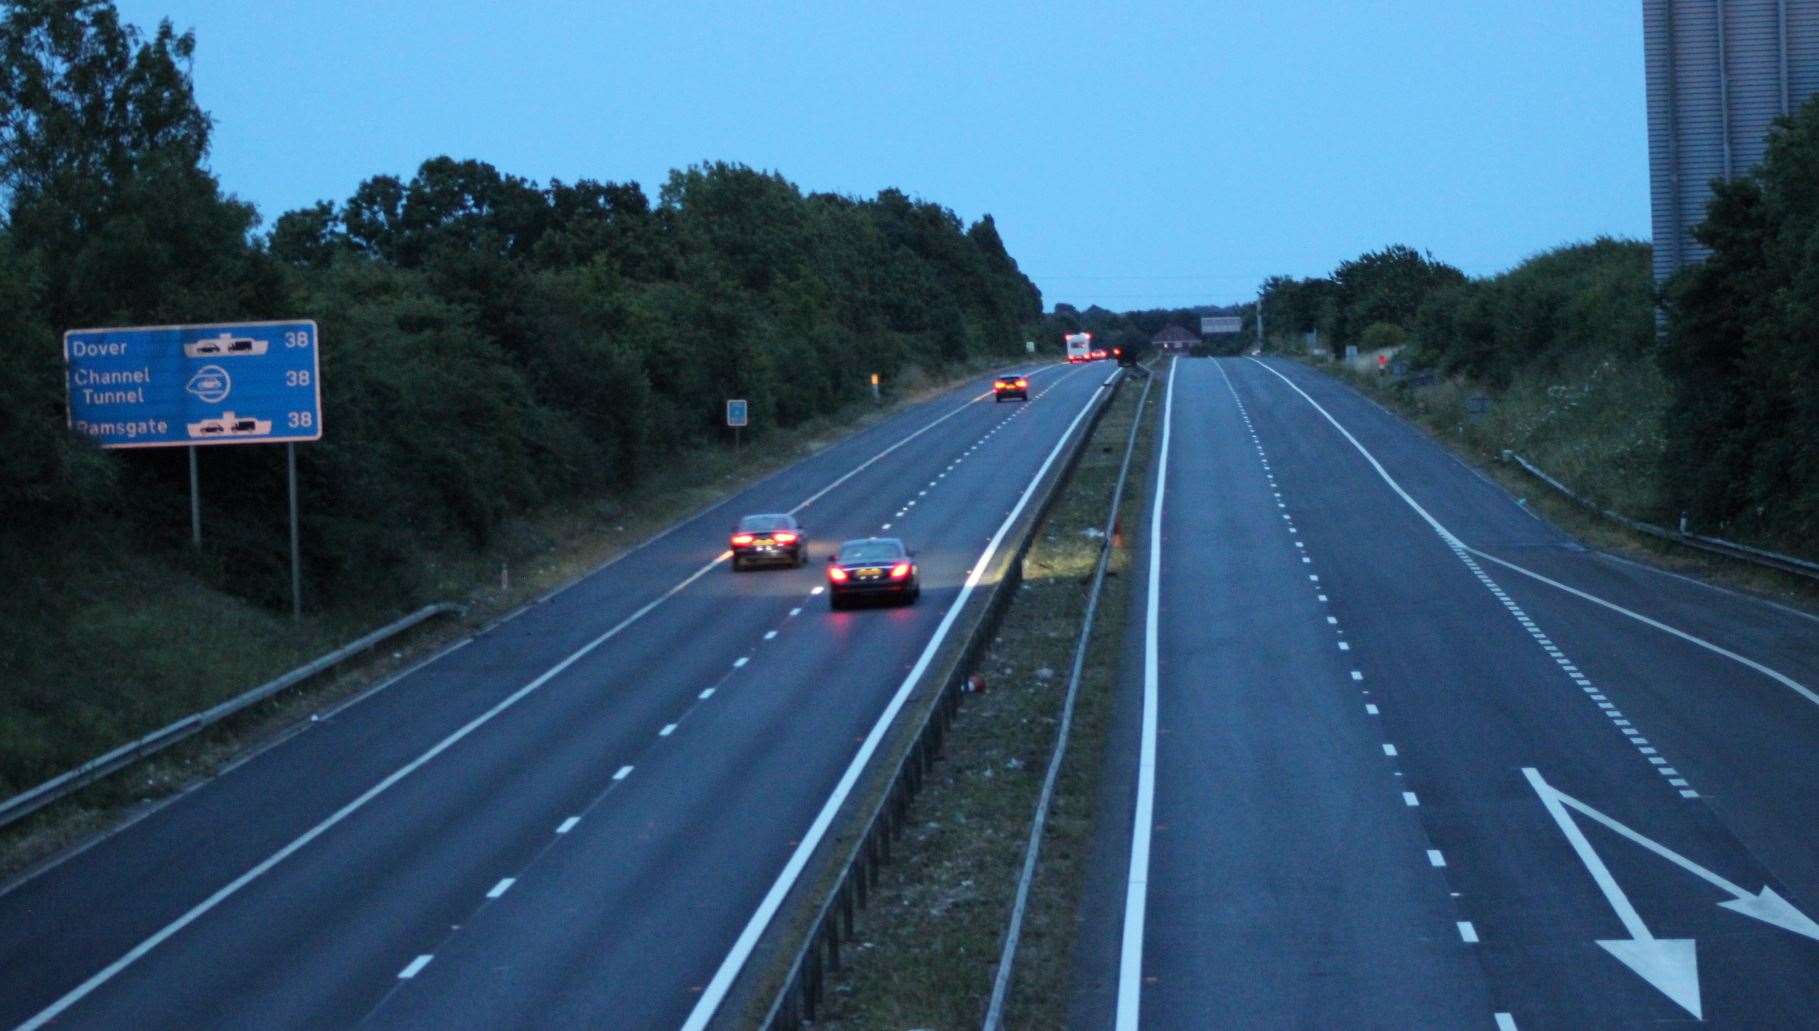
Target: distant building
[
  {"x": 1719, "y": 73},
  {"x": 1172, "y": 339}
]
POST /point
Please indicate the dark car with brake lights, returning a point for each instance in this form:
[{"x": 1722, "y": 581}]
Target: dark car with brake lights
[
  {"x": 775, "y": 538},
  {"x": 872, "y": 567},
  {"x": 1011, "y": 385}
]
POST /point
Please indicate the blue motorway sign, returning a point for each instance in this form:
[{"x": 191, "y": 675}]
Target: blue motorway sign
[
  {"x": 223, "y": 383},
  {"x": 736, "y": 413}
]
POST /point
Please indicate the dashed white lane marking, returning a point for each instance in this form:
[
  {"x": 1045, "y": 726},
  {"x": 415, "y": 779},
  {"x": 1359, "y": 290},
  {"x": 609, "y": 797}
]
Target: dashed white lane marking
[
  {"x": 1334, "y": 620},
  {"x": 715, "y": 991},
  {"x": 1389, "y": 749},
  {"x": 1505, "y": 1022},
  {"x": 795, "y": 612},
  {"x": 668, "y": 729},
  {"x": 624, "y": 772},
  {"x": 817, "y": 590},
  {"x": 1370, "y": 709},
  {"x": 1409, "y": 799},
  {"x": 1344, "y": 647},
  {"x": 1596, "y": 696},
  {"x": 770, "y": 635},
  {"x": 1356, "y": 675},
  {"x": 568, "y": 825},
  {"x": 1434, "y": 858},
  {"x": 1466, "y": 554},
  {"x": 1322, "y": 597},
  {"x": 415, "y": 968},
  {"x": 886, "y": 526},
  {"x": 1467, "y": 932},
  {"x": 706, "y": 694},
  {"x": 739, "y": 663},
  {"x": 502, "y": 887}
]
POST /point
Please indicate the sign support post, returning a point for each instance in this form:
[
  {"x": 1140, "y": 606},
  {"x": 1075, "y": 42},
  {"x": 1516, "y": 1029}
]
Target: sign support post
[
  {"x": 737, "y": 415},
  {"x": 200, "y": 385},
  {"x": 290, "y": 461},
  {"x": 195, "y": 501}
]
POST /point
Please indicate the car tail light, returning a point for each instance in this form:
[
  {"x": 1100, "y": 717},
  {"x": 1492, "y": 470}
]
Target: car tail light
[
  {"x": 742, "y": 538},
  {"x": 900, "y": 571},
  {"x": 784, "y": 537},
  {"x": 836, "y": 574},
  {"x": 1023, "y": 383}
]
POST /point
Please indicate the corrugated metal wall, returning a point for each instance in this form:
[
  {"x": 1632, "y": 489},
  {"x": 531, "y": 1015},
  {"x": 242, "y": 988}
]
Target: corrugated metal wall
[{"x": 1719, "y": 73}]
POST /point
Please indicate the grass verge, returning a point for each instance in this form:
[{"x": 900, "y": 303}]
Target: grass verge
[
  {"x": 928, "y": 943},
  {"x": 101, "y": 665}
]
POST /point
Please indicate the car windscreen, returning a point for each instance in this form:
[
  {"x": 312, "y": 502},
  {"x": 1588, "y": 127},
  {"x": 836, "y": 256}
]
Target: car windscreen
[
  {"x": 766, "y": 523},
  {"x": 871, "y": 551}
]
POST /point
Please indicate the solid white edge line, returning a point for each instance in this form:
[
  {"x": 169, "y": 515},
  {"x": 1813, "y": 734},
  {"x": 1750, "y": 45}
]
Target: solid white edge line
[
  {"x": 1136, "y": 889},
  {"x": 861, "y": 467},
  {"x": 729, "y": 968},
  {"x": 1774, "y": 675},
  {"x": 106, "y": 973},
  {"x": 1451, "y": 540},
  {"x": 138, "y": 951}
]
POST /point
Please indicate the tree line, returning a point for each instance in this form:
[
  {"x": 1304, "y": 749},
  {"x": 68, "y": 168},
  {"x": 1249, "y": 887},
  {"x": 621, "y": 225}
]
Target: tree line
[
  {"x": 1736, "y": 336},
  {"x": 490, "y": 343}
]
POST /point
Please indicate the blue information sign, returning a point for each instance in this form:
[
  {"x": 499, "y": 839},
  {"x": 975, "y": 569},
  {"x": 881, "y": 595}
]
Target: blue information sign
[
  {"x": 735, "y": 413},
  {"x": 223, "y": 383}
]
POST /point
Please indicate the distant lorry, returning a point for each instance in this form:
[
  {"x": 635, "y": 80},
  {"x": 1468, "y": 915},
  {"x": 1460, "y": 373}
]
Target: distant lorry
[{"x": 1079, "y": 347}]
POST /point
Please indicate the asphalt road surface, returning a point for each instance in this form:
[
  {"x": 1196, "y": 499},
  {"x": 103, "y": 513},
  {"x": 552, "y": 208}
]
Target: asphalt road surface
[
  {"x": 1394, "y": 753},
  {"x": 568, "y": 820}
]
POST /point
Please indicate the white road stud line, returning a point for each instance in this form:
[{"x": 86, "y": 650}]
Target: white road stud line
[
  {"x": 770, "y": 635},
  {"x": 1136, "y": 891},
  {"x": 739, "y": 663},
  {"x": 415, "y": 968},
  {"x": 504, "y": 885},
  {"x": 1448, "y": 536},
  {"x": 568, "y": 825},
  {"x": 715, "y": 991},
  {"x": 795, "y": 612}
]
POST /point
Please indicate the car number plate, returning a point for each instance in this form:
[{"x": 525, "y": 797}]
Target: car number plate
[{"x": 870, "y": 574}]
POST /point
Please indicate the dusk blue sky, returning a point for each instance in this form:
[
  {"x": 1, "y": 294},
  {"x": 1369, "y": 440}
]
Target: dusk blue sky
[{"x": 1133, "y": 155}]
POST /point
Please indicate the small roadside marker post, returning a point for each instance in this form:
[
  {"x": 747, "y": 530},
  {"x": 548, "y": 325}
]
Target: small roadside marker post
[
  {"x": 877, "y": 398},
  {"x": 737, "y": 416}
]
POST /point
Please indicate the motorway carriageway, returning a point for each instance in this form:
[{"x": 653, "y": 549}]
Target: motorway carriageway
[
  {"x": 1392, "y": 752},
  {"x": 575, "y": 818}
]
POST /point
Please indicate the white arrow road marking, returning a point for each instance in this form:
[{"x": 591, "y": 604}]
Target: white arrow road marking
[
  {"x": 1667, "y": 963},
  {"x": 1766, "y": 905}
]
